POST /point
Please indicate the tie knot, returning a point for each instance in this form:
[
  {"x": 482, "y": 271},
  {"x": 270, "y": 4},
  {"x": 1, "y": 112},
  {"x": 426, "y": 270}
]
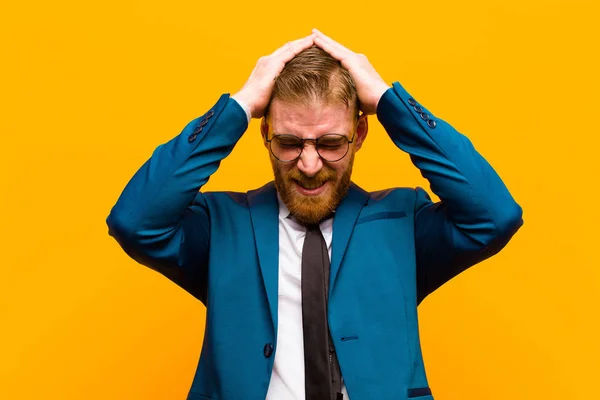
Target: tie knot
[{"x": 313, "y": 227}]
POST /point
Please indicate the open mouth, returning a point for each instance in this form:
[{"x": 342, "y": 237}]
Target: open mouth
[{"x": 310, "y": 190}]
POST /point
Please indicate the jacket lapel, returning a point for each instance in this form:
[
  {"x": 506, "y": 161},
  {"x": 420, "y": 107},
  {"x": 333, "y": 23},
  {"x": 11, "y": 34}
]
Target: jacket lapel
[
  {"x": 264, "y": 212},
  {"x": 343, "y": 224}
]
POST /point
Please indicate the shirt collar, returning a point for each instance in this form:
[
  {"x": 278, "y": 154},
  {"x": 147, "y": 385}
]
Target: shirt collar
[{"x": 283, "y": 210}]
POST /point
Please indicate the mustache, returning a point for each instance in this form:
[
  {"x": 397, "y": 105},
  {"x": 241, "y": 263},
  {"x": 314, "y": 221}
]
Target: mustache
[{"x": 324, "y": 175}]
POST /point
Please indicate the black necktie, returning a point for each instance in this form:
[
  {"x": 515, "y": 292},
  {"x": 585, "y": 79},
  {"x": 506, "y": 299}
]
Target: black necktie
[{"x": 321, "y": 369}]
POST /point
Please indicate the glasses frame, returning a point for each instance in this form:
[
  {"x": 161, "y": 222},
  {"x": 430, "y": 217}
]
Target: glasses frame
[{"x": 316, "y": 142}]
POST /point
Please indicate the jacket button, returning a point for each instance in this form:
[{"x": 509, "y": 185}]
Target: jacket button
[
  {"x": 192, "y": 137},
  {"x": 412, "y": 101},
  {"x": 431, "y": 123},
  {"x": 424, "y": 117},
  {"x": 198, "y": 130},
  {"x": 418, "y": 109},
  {"x": 204, "y": 122},
  {"x": 268, "y": 350},
  {"x": 210, "y": 114}
]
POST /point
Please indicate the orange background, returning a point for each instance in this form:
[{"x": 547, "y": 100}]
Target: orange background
[{"x": 90, "y": 89}]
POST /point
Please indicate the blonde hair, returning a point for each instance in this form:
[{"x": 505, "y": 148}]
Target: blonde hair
[{"x": 315, "y": 76}]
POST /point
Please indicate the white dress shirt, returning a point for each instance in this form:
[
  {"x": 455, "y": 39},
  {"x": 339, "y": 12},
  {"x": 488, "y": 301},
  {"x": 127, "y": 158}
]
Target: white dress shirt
[{"x": 287, "y": 380}]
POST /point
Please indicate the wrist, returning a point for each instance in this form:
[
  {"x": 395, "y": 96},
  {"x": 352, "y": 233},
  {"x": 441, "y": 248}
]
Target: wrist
[
  {"x": 244, "y": 104},
  {"x": 381, "y": 89},
  {"x": 378, "y": 93}
]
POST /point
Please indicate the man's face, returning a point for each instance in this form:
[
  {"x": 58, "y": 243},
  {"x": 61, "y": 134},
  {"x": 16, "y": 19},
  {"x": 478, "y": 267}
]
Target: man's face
[{"x": 311, "y": 187}]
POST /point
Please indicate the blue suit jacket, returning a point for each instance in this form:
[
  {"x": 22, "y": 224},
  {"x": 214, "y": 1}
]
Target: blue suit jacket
[{"x": 390, "y": 250}]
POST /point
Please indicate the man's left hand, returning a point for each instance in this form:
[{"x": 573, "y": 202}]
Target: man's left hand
[{"x": 369, "y": 84}]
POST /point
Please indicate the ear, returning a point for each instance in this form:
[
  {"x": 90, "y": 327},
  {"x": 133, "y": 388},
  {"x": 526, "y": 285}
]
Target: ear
[
  {"x": 264, "y": 130},
  {"x": 362, "y": 128}
]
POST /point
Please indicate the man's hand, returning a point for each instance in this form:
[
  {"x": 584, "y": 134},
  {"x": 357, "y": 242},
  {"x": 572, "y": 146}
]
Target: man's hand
[
  {"x": 369, "y": 84},
  {"x": 256, "y": 93}
]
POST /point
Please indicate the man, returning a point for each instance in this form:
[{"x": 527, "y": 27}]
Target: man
[{"x": 312, "y": 284}]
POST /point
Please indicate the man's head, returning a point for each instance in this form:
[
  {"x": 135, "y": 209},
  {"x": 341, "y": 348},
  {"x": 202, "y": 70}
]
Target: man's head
[{"x": 313, "y": 97}]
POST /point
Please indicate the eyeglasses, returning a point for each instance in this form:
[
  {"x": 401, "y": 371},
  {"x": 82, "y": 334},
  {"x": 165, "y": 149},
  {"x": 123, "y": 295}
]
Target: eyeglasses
[{"x": 331, "y": 147}]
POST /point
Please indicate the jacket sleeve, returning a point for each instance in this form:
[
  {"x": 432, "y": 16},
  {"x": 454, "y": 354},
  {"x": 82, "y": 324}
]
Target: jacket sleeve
[
  {"x": 160, "y": 219},
  {"x": 476, "y": 216}
]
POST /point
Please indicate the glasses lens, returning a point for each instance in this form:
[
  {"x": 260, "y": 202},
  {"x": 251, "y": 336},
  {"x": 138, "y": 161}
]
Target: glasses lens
[
  {"x": 286, "y": 147},
  {"x": 332, "y": 147}
]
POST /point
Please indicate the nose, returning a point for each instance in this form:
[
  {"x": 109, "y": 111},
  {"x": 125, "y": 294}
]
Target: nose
[{"x": 310, "y": 162}]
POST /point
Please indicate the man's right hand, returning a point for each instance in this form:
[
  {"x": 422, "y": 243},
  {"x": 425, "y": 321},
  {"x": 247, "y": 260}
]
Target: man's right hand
[{"x": 256, "y": 93}]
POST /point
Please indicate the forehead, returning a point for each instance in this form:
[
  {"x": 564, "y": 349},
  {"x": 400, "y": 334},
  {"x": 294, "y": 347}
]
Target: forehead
[{"x": 309, "y": 121}]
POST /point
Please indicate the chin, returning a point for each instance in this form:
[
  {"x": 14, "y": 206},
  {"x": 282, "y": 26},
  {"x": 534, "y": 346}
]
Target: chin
[{"x": 310, "y": 209}]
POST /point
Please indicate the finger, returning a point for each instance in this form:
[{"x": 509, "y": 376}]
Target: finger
[
  {"x": 303, "y": 43},
  {"x": 331, "y": 42},
  {"x": 291, "y": 49},
  {"x": 333, "y": 51}
]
